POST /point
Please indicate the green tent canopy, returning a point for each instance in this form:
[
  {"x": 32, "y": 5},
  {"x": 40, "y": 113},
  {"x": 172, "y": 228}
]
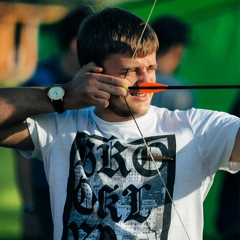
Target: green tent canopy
[{"x": 214, "y": 56}]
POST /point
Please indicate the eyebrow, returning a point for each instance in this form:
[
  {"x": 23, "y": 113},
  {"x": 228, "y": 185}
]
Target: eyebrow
[
  {"x": 135, "y": 67},
  {"x": 125, "y": 69}
]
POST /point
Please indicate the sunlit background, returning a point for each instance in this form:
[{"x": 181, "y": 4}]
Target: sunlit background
[{"x": 27, "y": 35}]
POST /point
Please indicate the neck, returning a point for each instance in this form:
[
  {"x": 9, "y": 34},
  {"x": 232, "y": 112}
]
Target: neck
[
  {"x": 107, "y": 115},
  {"x": 117, "y": 115}
]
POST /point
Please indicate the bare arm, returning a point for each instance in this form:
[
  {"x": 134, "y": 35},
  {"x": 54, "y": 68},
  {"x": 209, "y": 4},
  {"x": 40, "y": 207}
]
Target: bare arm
[
  {"x": 235, "y": 157},
  {"x": 16, "y": 104},
  {"x": 89, "y": 88}
]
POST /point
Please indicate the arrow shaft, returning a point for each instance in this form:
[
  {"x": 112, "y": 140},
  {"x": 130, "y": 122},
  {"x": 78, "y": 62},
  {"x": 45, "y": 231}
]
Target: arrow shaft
[{"x": 185, "y": 87}]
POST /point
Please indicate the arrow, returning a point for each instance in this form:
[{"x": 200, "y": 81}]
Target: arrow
[{"x": 147, "y": 87}]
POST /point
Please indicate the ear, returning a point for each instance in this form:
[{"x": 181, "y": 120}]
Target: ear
[{"x": 73, "y": 46}]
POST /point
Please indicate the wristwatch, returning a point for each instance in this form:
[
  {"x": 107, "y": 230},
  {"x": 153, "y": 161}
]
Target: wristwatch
[{"x": 56, "y": 94}]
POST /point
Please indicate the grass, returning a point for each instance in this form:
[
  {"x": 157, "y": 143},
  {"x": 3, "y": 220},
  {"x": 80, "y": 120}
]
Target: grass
[{"x": 10, "y": 201}]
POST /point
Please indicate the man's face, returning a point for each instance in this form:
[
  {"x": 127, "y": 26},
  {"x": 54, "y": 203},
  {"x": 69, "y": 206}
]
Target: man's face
[{"x": 140, "y": 70}]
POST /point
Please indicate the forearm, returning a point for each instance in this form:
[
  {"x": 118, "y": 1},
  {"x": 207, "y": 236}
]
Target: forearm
[
  {"x": 89, "y": 88},
  {"x": 86, "y": 89},
  {"x": 17, "y": 104},
  {"x": 235, "y": 157}
]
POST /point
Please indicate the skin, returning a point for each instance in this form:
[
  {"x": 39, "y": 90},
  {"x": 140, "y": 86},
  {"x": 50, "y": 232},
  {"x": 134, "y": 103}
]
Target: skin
[
  {"x": 235, "y": 157},
  {"x": 141, "y": 70},
  {"x": 89, "y": 88}
]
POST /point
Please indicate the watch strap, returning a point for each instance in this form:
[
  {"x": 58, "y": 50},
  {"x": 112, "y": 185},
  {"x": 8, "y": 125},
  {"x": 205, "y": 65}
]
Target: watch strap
[{"x": 58, "y": 106}]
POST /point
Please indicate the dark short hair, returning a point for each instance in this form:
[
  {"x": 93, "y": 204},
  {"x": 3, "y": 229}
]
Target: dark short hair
[
  {"x": 170, "y": 31},
  {"x": 69, "y": 25},
  {"x": 113, "y": 30}
]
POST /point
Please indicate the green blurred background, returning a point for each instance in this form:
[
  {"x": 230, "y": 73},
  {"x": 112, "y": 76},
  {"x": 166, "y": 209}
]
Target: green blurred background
[{"x": 213, "y": 58}]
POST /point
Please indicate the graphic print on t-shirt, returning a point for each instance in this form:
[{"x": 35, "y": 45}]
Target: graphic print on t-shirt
[{"x": 114, "y": 190}]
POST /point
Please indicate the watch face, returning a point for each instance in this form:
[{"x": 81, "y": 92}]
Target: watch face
[{"x": 56, "y": 92}]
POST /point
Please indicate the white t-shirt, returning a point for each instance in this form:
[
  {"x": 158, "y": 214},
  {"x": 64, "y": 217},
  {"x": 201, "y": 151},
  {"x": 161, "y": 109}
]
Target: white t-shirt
[{"x": 103, "y": 182}]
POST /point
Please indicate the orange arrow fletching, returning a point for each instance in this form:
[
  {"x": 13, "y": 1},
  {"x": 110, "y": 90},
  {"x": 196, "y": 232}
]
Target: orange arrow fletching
[{"x": 147, "y": 87}]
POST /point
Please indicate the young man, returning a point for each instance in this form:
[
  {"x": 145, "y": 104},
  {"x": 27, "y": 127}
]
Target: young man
[{"x": 112, "y": 176}]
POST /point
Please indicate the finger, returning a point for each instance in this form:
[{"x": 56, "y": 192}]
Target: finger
[
  {"x": 106, "y": 83},
  {"x": 113, "y": 85},
  {"x": 99, "y": 98},
  {"x": 113, "y": 90},
  {"x": 111, "y": 80},
  {"x": 92, "y": 68},
  {"x": 100, "y": 102}
]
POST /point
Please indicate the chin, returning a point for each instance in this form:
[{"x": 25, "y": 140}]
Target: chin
[
  {"x": 127, "y": 113},
  {"x": 140, "y": 112},
  {"x": 121, "y": 108}
]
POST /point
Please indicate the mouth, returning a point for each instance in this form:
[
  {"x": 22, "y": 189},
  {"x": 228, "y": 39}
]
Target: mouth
[{"x": 138, "y": 94}]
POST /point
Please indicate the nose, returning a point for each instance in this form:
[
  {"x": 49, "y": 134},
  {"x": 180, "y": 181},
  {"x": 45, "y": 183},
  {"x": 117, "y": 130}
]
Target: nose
[{"x": 143, "y": 76}]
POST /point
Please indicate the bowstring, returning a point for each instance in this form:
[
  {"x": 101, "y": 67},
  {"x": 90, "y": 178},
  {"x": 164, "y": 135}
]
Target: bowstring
[
  {"x": 159, "y": 173},
  {"x": 139, "y": 130}
]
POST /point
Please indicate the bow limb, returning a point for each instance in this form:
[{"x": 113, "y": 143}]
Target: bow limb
[{"x": 148, "y": 148}]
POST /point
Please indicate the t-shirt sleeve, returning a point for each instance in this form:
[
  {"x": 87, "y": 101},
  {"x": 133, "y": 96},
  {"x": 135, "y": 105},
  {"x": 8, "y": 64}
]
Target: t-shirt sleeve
[
  {"x": 33, "y": 127},
  {"x": 215, "y": 133}
]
